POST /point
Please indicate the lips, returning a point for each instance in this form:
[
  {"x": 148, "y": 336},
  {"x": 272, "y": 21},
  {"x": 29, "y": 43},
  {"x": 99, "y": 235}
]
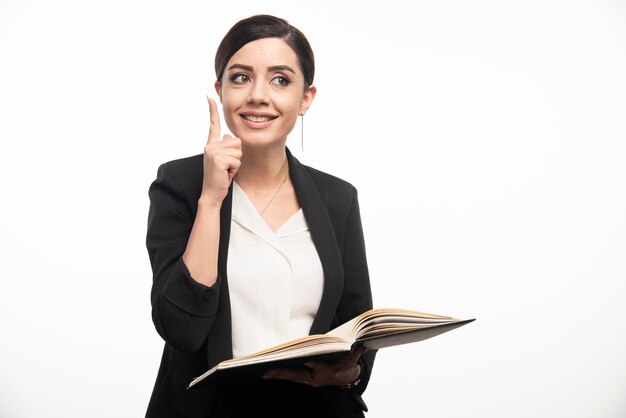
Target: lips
[{"x": 256, "y": 120}]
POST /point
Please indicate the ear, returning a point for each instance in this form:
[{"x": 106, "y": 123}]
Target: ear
[
  {"x": 307, "y": 99},
  {"x": 218, "y": 89}
]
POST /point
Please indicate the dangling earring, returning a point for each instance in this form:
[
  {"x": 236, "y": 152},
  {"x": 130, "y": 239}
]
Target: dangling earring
[{"x": 302, "y": 130}]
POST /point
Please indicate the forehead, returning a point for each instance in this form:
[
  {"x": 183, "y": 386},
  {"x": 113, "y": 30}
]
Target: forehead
[{"x": 264, "y": 53}]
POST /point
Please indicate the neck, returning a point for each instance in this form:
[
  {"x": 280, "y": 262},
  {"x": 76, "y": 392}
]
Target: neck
[{"x": 262, "y": 167}]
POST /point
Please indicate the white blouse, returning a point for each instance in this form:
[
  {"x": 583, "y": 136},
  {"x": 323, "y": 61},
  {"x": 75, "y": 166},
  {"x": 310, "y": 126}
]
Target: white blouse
[{"x": 275, "y": 279}]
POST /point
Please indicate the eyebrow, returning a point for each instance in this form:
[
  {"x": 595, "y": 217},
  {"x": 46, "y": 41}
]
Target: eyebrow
[{"x": 272, "y": 68}]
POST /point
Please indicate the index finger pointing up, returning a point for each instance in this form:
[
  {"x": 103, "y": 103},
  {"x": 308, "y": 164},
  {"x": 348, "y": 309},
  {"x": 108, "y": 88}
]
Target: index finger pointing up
[{"x": 214, "y": 127}]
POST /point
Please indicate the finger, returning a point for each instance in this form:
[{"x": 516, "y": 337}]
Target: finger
[
  {"x": 219, "y": 151},
  {"x": 231, "y": 141},
  {"x": 227, "y": 162},
  {"x": 295, "y": 375},
  {"x": 233, "y": 168},
  {"x": 329, "y": 368},
  {"x": 214, "y": 127},
  {"x": 354, "y": 356},
  {"x": 316, "y": 365},
  {"x": 224, "y": 146}
]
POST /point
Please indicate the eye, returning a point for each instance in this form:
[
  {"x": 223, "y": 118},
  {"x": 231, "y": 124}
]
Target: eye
[
  {"x": 239, "y": 78},
  {"x": 281, "y": 80}
]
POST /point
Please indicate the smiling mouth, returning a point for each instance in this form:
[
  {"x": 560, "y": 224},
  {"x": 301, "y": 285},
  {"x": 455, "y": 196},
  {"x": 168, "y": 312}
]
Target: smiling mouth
[{"x": 254, "y": 118}]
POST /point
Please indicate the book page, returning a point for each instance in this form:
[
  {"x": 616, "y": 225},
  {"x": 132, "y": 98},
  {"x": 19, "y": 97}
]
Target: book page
[
  {"x": 309, "y": 343},
  {"x": 380, "y": 338},
  {"x": 329, "y": 346},
  {"x": 392, "y": 317},
  {"x": 387, "y": 314},
  {"x": 346, "y": 331}
]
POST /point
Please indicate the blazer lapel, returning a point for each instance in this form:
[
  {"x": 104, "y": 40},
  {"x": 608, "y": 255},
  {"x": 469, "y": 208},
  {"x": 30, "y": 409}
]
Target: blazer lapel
[{"x": 323, "y": 235}]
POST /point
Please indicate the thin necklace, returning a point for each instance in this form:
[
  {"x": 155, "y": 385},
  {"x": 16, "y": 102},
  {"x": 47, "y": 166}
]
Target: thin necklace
[
  {"x": 277, "y": 190},
  {"x": 276, "y": 193}
]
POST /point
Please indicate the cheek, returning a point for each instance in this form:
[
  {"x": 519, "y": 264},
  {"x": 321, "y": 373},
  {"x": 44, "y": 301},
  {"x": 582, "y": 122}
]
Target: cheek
[
  {"x": 288, "y": 105},
  {"x": 231, "y": 102},
  {"x": 232, "y": 99},
  {"x": 229, "y": 108}
]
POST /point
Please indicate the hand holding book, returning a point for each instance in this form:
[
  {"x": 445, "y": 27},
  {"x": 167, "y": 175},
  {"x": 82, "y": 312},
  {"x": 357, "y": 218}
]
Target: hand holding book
[{"x": 342, "y": 372}]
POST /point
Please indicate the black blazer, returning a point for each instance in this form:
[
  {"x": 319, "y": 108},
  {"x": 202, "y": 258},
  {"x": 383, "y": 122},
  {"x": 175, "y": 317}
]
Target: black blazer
[{"x": 194, "y": 320}]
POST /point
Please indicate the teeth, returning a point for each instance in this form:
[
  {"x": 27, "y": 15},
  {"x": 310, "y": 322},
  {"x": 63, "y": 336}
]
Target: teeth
[{"x": 257, "y": 118}]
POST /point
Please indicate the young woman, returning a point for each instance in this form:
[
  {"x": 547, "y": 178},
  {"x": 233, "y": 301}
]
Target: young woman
[{"x": 250, "y": 248}]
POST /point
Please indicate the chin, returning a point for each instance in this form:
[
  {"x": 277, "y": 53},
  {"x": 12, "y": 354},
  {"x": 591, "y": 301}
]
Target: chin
[{"x": 260, "y": 139}]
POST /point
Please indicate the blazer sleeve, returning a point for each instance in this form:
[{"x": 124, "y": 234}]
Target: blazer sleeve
[
  {"x": 357, "y": 294},
  {"x": 183, "y": 310}
]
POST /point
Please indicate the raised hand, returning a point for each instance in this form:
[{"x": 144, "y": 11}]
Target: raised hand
[{"x": 222, "y": 159}]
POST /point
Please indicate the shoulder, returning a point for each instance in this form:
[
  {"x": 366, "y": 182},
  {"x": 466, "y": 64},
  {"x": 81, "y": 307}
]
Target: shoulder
[
  {"x": 328, "y": 183},
  {"x": 182, "y": 166},
  {"x": 337, "y": 195},
  {"x": 183, "y": 174}
]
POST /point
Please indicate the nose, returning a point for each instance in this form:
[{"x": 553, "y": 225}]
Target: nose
[{"x": 258, "y": 93}]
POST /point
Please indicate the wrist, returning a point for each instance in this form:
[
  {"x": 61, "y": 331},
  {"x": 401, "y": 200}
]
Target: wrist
[
  {"x": 208, "y": 203},
  {"x": 356, "y": 380}
]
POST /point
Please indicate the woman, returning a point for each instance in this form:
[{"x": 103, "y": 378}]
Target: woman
[{"x": 249, "y": 248}]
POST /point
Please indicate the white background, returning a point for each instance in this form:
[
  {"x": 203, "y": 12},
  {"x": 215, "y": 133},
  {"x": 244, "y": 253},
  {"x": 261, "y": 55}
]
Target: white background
[{"x": 487, "y": 141}]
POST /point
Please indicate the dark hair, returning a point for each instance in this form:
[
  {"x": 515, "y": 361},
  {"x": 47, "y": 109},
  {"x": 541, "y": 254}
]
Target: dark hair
[{"x": 260, "y": 27}]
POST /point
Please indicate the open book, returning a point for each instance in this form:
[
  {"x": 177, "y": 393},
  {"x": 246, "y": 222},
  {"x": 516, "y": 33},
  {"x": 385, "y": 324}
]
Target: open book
[{"x": 375, "y": 329}]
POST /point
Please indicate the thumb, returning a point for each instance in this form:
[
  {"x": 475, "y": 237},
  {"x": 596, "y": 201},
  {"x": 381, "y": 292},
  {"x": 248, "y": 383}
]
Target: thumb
[{"x": 354, "y": 356}]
